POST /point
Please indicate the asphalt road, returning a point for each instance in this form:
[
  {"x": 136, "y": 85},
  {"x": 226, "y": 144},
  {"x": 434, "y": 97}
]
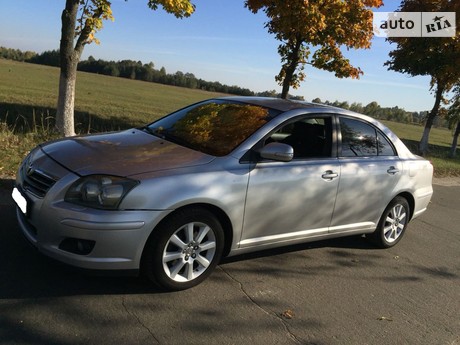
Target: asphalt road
[{"x": 331, "y": 292}]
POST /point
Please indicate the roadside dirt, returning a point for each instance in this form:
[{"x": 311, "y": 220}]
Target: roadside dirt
[{"x": 447, "y": 181}]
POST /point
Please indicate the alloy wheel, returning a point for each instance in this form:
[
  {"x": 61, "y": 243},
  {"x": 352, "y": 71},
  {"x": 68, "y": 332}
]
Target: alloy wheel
[
  {"x": 394, "y": 223},
  {"x": 189, "y": 252}
]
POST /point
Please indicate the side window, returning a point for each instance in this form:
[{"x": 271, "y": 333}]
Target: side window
[
  {"x": 360, "y": 139},
  {"x": 385, "y": 148},
  {"x": 310, "y": 137}
]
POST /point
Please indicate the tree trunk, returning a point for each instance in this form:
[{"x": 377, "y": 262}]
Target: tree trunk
[
  {"x": 423, "y": 145},
  {"x": 69, "y": 57},
  {"x": 293, "y": 61},
  {"x": 286, "y": 86},
  {"x": 453, "y": 148},
  {"x": 65, "y": 106}
]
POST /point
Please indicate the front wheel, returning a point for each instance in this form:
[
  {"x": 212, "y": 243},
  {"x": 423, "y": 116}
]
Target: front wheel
[
  {"x": 392, "y": 224},
  {"x": 183, "y": 250}
]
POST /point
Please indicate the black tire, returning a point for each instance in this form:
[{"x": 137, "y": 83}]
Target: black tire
[
  {"x": 392, "y": 224},
  {"x": 183, "y": 250}
]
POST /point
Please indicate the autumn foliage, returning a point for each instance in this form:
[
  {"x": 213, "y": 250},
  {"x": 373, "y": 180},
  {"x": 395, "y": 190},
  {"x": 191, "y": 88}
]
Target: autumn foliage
[
  {"x": 92, "y": 13},
  {"x": 313, "y": 32},
  {"x": 90, "y": 19}
]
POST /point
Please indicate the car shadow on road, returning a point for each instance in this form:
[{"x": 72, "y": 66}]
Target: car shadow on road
[{"x": 350, "y": 242}]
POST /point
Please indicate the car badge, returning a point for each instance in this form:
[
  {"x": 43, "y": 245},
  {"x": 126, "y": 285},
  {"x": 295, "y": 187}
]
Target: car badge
[{"x": 30, "y": 170}]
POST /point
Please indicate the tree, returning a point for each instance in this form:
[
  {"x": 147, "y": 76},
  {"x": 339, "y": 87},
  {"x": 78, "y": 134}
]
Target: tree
[
  {"x": 437, "y": 57},
  {"x": 453, "y": 119},
  {"x": 81, "y": 20},
  {"x": 358, "y": 107},
  {"x": 318, "y": 27},
  {"x": 16, "y": 54},
  {"x": 49, "y": 58},
  {"x": 190, "y": 81},
  {"x": 372, "y": 109}
]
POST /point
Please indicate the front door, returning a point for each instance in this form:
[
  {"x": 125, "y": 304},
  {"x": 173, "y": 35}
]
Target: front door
[{"x": 290, "y": 201}]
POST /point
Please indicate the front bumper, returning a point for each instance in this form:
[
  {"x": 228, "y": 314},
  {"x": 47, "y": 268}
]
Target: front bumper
[
  {"x": 118, "y": 237},
  {"x": 73, "y": 234}
]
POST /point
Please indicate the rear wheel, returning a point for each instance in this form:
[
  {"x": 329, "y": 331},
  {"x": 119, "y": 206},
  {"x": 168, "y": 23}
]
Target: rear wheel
[
  {"x": 392, "y": 224},
  {"x": 183, "y": 250}
]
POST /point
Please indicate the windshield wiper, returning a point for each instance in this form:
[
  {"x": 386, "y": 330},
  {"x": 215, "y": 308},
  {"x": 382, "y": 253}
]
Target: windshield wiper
[
  {"x": 169, "y": 137},
  {"x": 161, "y": 133},
  {"x": 153, "y": 131}
]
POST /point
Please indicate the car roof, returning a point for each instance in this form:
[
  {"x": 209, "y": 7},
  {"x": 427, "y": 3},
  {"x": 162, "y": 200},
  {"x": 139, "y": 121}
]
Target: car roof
[{"x": 278, "y": 103}]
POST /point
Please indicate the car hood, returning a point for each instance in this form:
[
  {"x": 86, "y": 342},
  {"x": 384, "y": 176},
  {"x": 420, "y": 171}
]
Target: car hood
[{"x": 123, "y": 153}]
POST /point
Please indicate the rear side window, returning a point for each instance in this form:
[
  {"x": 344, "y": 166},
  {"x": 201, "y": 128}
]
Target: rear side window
[
  {"x": 359, "y": 139},
  {"x": 385, "y": 147}
]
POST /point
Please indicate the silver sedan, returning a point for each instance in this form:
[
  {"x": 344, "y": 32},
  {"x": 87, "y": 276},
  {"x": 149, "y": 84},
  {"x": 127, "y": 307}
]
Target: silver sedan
[{"x": 218, "y": 178}]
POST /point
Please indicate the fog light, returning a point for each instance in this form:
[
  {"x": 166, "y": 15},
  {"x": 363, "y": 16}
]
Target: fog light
[{"x": 77, "y": 246}]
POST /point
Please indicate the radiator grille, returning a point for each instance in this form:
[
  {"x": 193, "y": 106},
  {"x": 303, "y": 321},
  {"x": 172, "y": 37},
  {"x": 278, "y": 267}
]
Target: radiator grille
[{"x": 36, "y": 181}]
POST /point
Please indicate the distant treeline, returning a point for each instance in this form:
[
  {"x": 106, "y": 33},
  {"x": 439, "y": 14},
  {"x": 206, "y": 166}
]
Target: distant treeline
[
  {"x": 374, "y": 110},
  {"x": 127, "y": 69},
  {"x": 137, "y": 70}
]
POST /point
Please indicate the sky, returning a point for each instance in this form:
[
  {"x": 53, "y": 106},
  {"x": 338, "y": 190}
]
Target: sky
[{"x": 222, "y": 41}]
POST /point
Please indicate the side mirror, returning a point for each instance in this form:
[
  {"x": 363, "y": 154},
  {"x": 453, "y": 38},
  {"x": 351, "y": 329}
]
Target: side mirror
[{"x": 277, "y": 152}]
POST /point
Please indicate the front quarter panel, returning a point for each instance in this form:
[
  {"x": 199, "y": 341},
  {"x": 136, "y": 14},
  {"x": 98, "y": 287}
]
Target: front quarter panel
[{"x": 222, "y": 183}]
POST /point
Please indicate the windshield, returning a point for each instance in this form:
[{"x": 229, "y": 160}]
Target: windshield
[{"x": 214, "y": 127}]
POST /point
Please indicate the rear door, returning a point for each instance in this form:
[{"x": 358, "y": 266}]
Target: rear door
[{"x": 370, "y": 169}]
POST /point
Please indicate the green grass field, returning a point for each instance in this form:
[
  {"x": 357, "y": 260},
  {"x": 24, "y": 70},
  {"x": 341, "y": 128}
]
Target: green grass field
[
  {"x": 28, "y": 96},
  {"x": 109, "y": 100}
]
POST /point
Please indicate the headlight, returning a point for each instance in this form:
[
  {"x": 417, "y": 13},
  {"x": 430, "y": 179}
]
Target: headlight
[{"x": 100, "y": 191}]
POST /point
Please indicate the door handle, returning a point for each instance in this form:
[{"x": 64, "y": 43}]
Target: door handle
[
  {"x": 329, "y": 175},
  {"x": 392, "y": 170}
]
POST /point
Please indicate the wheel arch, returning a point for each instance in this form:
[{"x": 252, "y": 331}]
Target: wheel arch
[
  {"x": 410, "y": 200},
  {"x": 222, "y": 217}
]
